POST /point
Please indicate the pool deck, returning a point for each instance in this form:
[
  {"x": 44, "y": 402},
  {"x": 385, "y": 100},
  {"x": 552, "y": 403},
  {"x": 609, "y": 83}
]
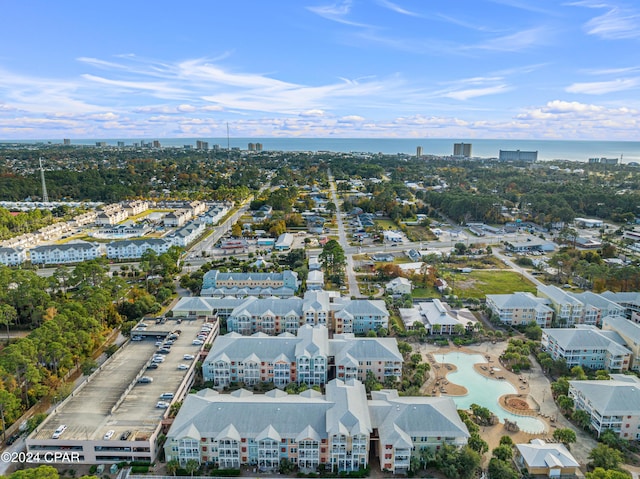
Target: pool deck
[{"x": 537, "y": 393}]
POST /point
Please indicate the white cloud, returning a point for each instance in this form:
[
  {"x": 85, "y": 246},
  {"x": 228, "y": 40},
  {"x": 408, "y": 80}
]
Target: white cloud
[
  {"x": 397, "y": 8},
  {"x": 475, "y": 92},
  {"x": 315, "y": 112},
  {"x": 514, "y": 42},
  {"x": 603, "y": 87},
  {"x": 338, "y": 12}
]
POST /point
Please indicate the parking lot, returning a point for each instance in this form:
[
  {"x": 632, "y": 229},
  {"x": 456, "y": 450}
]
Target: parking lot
[{"x": 113, "y": 403}]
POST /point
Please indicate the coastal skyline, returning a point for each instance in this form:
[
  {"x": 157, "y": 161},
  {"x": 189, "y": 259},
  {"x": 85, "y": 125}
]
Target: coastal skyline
[{"x": 487, "y": 69}]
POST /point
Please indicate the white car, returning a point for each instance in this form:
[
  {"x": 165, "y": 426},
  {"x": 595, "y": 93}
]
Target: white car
[
  {"x": 58, "y": 432},
  {"x": 197, "y": 342},
  {"x": 189, "y": 357},
  {"x": 108, "y": 434},
  {"x": 158, "y": 359},
  {"x": 183, "y": 367},
  {"x": 162, "y": 404}
]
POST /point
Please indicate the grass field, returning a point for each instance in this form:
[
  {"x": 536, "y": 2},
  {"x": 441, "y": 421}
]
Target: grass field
[
  {"x": 425, "y": 293},
  {"x": 478, "y": 284},
  {"x": 386, "y": 224}
]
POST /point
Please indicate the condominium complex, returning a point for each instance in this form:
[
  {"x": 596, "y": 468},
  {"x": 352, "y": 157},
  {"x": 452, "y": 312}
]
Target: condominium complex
[
  {"x": 611, "y": 404},
  {"x": 568, "y": 309},
  {"x": 521, "y": 308},
  {"x": 216, "y": 283},
  {"x": 630, "y": 334},
  {"x": 311, "y": 429},
  {"x": 310, "y": 358},
  {"x": 587, "y": 346},
  {"x": 65, "y": 253}
]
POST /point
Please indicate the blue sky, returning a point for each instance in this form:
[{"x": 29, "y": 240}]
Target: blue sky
[{"x": 530, "y": 69}]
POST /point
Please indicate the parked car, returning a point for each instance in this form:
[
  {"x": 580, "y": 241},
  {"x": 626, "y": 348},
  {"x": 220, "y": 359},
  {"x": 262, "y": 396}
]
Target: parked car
[
  {"x": 197, "y": 342},
  {"x": 166, "y": 396},
  {"x": 13, "y": 438},
  {"x": 153, "y": 366},
  {"x": 145, "y": 380},
  {"x": 108, "y": 435},
  {"x": 183, "y": 367},
  {"x": 188, "y": 357},
  {"x": 125, "y": 435},
  {"x": 58, "y": 432},
  {"x": 162, "y": 404}
]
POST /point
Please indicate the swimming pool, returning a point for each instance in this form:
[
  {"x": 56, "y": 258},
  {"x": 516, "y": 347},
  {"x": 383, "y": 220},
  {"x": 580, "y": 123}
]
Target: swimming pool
[{"x": 484, "y": 391}]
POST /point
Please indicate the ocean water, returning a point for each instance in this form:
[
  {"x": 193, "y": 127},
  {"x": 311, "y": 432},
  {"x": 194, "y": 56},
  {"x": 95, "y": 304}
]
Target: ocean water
[{"x": 627, "y": 151}]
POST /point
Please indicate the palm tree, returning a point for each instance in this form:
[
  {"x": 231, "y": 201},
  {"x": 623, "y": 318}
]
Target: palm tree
[
  {"x": 172, "y": 466},
  {"x": 191, "y": 466}
]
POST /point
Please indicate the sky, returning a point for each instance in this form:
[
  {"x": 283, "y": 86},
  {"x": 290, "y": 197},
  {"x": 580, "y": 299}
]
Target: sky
[{"x": 518, "y": 69}]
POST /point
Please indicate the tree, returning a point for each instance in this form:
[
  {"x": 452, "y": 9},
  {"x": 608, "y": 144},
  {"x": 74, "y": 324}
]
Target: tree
[
  {"x": 600, "y": 473},
  {"x": 506, "y": 441},
  {"x": 504, "y": 453},
  {"x": 40, "y": 472},
  {"x": 172, "y": 466},
  {"x": 605, "y": 457},
  {"x": 560, "y": 387},
  {"x": 565, "y": 403},
  {"x": 501, "y": 470},
  {"x": 8, "y": 316},
  {"x": 582, "y": 418},
  {"x": 236, "y": 230},
  {"x": 333, "y": 257},
  {"x": 191, "y": 466},
  {"x": 565, "y": 435},
  {"x": 478, "y": 444}
]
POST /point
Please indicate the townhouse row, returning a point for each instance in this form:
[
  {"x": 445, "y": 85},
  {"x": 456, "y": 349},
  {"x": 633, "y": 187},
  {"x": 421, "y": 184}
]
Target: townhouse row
[
  {"x": 310, "y": 357},
  {"x": 339, "y": 430}
]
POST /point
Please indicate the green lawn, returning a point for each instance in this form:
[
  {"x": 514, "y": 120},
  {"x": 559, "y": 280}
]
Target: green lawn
[
  {"x": 478, "y": 284},
  {"x": 425, "y": 293},
  {"x": 386, "y": 224}
]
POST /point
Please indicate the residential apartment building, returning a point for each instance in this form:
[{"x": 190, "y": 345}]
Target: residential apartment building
[
  {"x": 186, "y": 235},
  {"x": 587, "y": 346},
  {"x": 310, "y": 358},
  {"x": 273, "y": 315},
  {"x": 310, "y": 429},
  {"x": 630, "y": 334},
  {"x": 359, "y": 316},
  {"x": 177, "y": 218},
  {"x": 612, "y": 404},
  {"x": 629, "y": 301},
  {"x": 520, "y": 309},
  {"x": 12, "y": 256},
  {"x": 135, "y": 207},
  {"x": 111, "y": 215},
  {"x": 129, "y": 249},
  {"x": 85, "y": 218},
  {"x": 65, "y": 253},
  {"x": 214, "y": 279},
  {"x": 596, "y": 307},
  {"x": 568, "y": 310}
]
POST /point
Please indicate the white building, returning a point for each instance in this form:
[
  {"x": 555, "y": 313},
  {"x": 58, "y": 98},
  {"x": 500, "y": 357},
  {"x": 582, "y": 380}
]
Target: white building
[
  {"x": 135, "y": 249},
  {"x": 315, "y": 280},
  {"x": 568, "y": 309},
  {"x": 521, "y": 309},
  {"x": 552, "y": 460},
  {"x": 65, "y": 253},
  {"x": 284, "y": 242},
  {"x": 399, "y": 285},
  {"x": 437, "y": 318},
  {"x": 12, "y": 256}
]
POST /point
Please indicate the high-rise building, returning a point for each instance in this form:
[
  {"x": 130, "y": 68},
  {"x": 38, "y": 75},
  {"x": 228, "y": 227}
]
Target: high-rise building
[
  {"x": 202, "y": 145},
  {"x": 252, "y": 147},
  {"x": 156, "y": 144},
  {"x": 419, "y": 151},
  {"x": 66, "y": 142},
  {"x": 258, "y": 146},
  {"x": 517, "y": 155},
  {"x": 462, "y": 149},
  {"x": 121, "y": 144}
]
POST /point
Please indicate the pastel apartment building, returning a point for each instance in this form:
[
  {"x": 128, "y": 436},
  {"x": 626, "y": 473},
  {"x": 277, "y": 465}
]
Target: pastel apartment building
[
  {"x": 520, "y": 309},
  {"x": 630, "y": 334},
  {"x": 568, "y": 309},
  {"x": 611, "y": 404},
  {"x": 177, "y": 218},
  {"x": 630, "y": 301},
  {"x": 311, "y": 429},
  {"x": 587, "y": 346},
  {"x": 310, "y": 358}
]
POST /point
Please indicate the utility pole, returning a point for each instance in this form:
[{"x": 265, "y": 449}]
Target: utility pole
[{"x": 45, "y": 196}]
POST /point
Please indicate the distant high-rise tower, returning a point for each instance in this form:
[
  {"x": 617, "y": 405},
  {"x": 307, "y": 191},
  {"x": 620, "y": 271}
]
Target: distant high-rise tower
[
  {"x": 202, "y": 145},
  {"x": 462, "y": 149},
  {"x": 252, "y": 147},
  {"x": 258, "y": 146},
  {"x": 45, "y": 195},
  {"x": 156, "y": 144},
  {"x": 419, "y": 151},
  {"x": 121, "y": 144},
  {"x": 66, "y": 142}
]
